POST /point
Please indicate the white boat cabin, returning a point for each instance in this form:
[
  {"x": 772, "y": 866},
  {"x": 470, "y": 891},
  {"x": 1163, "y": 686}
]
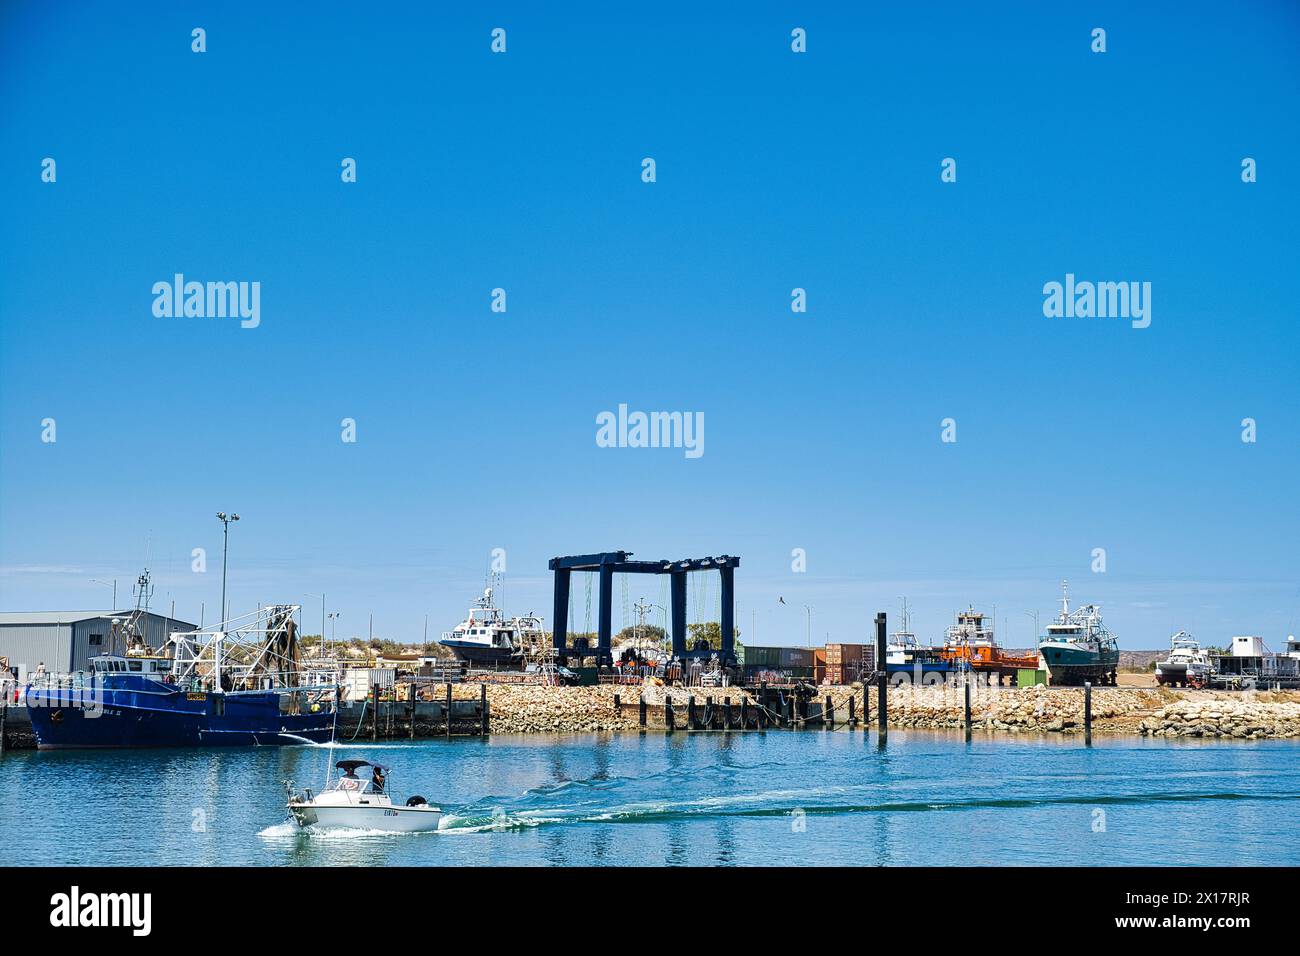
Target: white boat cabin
[{"x": 156, "y": 667}]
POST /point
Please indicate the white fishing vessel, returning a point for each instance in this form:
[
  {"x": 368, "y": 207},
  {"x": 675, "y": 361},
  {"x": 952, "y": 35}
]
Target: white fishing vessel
[
  {"x": 902, "y": 646},
  {"x": 352, "y": 801},
  {"x": 487, "y": 636},
  {"x": 1187, "y": 662}
]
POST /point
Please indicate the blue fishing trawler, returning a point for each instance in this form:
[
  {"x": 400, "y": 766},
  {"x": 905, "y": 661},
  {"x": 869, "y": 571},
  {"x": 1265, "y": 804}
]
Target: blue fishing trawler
[{"x": 240, "y": 685}]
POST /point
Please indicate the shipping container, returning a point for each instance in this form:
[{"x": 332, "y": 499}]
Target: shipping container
[
  {"x": 796, "y": 657},
  {"x": 845, "y": 653},
  {"x": 1026, "y": 677},
  {"x": 752, "y": 656}
]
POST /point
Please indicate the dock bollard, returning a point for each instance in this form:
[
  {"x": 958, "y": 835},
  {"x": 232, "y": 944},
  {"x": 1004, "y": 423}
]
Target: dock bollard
[{"x": 1087, "y": 713}]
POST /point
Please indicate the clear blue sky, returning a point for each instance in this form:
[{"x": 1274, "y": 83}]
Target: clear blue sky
[{"x": 775, "y": 170}]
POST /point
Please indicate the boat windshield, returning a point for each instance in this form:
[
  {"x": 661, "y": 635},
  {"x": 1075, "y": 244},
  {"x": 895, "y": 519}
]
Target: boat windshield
[{"x": 352, "y": 784}]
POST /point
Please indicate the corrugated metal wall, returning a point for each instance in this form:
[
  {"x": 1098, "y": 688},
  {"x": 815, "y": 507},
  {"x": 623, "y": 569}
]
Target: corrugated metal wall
[
  {"x": 26, "y": 645},
  {"x": 68, "y": 647},
  {"x": 156, "y": 631}
]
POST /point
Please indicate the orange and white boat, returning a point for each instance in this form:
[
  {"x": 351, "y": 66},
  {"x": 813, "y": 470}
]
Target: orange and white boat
[{"x": 970, "y": 643}]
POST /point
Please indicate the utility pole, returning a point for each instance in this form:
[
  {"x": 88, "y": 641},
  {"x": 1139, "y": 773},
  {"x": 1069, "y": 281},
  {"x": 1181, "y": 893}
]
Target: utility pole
[
  {"x": 809, "y": 610},
  {"x": 225, "y": 548}
]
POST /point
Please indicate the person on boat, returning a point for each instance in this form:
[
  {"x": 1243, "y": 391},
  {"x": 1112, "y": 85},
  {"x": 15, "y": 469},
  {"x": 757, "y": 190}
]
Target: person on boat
[{"x": 377, "y": 778}]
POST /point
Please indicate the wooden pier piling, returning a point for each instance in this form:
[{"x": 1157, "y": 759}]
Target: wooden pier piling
[
  {"x": 828, "y": 718},
  {"x": 690, "y": 712},
  {"x": 853, "y": 720},
  {"x": 726, "y": 713},
  {"x": 1087, "y": 713},
  {"x": 641, "y": 712},
  {"x": 4, "y": 716},
  {"x": 410, "y": 703},
  {"x": 374, "y": 712},
  {"x": 882, "y": 680},
  {"x": 668, "y": 714},
  {"x": 483, "y": 710},
  {"x": 967, "y": 687},
  {"x": 448, "y": 709}
]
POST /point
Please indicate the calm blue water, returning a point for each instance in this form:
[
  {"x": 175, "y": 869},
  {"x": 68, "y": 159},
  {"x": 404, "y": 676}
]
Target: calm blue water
[{"x": 704, "y": 799}]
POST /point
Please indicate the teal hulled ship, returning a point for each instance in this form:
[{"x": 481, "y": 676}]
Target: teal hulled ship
[{"x": 1077, "y": 647}]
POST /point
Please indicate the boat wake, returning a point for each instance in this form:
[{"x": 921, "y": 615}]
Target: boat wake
[
  {"x": 291, "y": 831},
  {"x": 479, "y": 819}
]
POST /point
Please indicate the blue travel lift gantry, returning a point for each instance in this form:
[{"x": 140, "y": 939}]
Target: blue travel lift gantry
[{"x": 607, "y": 564}]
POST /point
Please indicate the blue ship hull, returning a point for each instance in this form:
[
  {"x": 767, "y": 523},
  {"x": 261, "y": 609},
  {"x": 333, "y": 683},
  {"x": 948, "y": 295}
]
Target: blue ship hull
[
  {"x": 921, "y": 672},
  {"x": 474, "y": 653},
  {"x": 152, "y": 714}
]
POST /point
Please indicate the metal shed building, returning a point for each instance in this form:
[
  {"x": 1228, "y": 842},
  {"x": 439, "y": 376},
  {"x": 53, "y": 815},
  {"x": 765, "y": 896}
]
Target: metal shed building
[{"x": 66, "y": 640}]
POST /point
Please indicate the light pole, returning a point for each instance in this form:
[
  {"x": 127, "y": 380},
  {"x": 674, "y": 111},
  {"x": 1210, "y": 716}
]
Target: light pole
[
  {"x": 334, "y": 620},
  {"x": 108, "y": 584},
  {"x": 809, "y": 610},
  {"x": 225, "y": 547},
  {"x": 1034, "y": 615}
]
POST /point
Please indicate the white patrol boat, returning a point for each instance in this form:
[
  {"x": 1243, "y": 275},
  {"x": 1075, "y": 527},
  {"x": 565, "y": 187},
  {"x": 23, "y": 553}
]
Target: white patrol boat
[
  {"x": 1187, "y": 663},
  {"x": 361, "y": 803}
]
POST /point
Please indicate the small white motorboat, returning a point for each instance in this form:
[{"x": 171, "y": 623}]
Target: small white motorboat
[
  {"x": 362, "y": 803},
  {"x": 1187, "y": 663}
]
